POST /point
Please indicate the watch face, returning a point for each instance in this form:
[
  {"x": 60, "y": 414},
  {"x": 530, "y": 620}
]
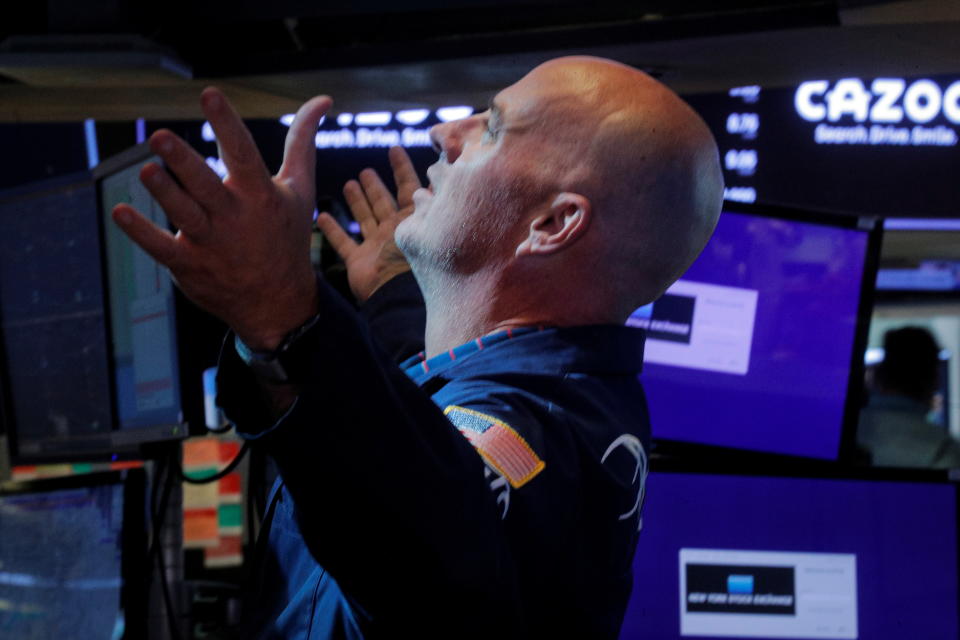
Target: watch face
[
  {"x": 265, "y": 365},
  {"x": 276, "y": 365}
]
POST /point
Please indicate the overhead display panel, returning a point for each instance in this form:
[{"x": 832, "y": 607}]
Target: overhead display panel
[{"x": 883, "y": 146}]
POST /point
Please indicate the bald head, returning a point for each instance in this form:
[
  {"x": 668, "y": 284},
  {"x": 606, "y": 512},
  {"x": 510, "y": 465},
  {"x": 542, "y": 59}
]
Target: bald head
[
  {"x": 582, "y": 194},
  {"x": 647, "y": 163}
]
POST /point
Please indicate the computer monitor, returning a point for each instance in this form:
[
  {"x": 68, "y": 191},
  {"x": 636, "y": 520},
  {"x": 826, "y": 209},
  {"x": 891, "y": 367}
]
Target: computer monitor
[
  {"x": 95, "y": 361},
  {"x": 73, "y": 558},
  {"x": 52, "y": 315},
  {"x": 739, "y": 556},
  {"x": 142, "y": 321},
  {"x": 759, "y": 345}
]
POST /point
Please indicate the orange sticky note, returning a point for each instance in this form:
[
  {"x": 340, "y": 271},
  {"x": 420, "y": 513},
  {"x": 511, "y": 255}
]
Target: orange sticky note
[
  {"x": 229, "y": 449},
  {"x": 201, "y": 452},
  {"x": 200, "y": 528}
]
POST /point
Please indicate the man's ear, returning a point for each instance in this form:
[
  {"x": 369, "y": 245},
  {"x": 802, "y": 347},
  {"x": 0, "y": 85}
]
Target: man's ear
[{"x": 557, "y": 228}]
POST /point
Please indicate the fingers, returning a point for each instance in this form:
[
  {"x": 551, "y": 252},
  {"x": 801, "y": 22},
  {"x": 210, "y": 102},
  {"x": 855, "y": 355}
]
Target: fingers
[
  {"x": 182, "y": 210},
  {"x": 404, "y": 174},
  {"x": 381, "y": 200},
  {"x": 360, "y": 207},
  {"x": 236, "y": 145},
  {"x": 341, "y": 242},
  {"x": 191, "y": 170},
  {"x": 371, "y": 201},
  {"x": 300, "y": 148},
  {"x": 157, "y": 242}
]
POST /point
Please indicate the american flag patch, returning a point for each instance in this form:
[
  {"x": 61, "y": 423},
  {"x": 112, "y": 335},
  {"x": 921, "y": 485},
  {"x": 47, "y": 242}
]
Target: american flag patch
[{"x": 502, "y": 447}]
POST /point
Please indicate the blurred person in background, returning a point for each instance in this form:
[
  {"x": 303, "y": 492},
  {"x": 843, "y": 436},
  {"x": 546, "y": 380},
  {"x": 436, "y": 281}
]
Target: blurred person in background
[{"x": 894, "y": 427}]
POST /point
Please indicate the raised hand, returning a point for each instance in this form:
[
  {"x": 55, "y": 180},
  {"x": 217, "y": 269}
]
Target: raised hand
[
  {"x": 242, "y": 249},
  {"x": 376, "y": 259}
]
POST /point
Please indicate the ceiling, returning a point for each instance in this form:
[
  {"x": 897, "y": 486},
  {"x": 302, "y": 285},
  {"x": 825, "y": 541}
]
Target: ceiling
[{"x": 111, "y": 60}]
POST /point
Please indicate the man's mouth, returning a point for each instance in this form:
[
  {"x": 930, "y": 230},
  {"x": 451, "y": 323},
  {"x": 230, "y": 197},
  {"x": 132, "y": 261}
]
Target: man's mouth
[{"x": 431, "y": 184}]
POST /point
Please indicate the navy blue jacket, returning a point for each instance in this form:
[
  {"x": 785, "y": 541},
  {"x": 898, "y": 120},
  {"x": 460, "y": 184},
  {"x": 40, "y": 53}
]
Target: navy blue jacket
[{"x": 390, "y": 521}]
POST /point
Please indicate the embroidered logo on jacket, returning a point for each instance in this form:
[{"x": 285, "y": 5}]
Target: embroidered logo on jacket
[
  {"x": 502, "y": 447},
  {"x": 632, "y": 445},
  {"x": 500, "y": 487}
]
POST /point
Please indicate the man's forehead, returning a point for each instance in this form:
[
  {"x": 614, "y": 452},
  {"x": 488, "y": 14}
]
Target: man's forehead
[
  {"x": 533, "y": 97},
  {"x": 581, "y": 83}
]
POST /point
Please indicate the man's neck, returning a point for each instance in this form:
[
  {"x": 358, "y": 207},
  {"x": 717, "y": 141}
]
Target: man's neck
[{"x": 461, "y": 309}]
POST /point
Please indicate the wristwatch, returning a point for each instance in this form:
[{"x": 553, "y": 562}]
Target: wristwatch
[{"x": 274, "y": 365}]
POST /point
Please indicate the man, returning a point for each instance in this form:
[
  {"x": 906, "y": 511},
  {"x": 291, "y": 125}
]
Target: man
[
  {"x": 582, "y": 194},
  {"x": 894, "y": 428}
]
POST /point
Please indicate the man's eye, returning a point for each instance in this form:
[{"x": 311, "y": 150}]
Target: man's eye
[{"x": 489, "y": 134}]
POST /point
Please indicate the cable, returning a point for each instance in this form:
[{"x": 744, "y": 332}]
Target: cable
[
  {"x": 218, "y": 430},
  {"x": 159, "y": 511},
  {"x": 156, "y": 520},
  {"x": 156, "y": 549},
  {"x": 220, "y": 474},
  {"x": 164, "y": 582}
]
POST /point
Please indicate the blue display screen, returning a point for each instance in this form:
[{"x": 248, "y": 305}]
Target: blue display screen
[
  {"x": 60, "y": 564},
  {"x": 752, "y": 347},
  {"x": 761, "y": 557}
]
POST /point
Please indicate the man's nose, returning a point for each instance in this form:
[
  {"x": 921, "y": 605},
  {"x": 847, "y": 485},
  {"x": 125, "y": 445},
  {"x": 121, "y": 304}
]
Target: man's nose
[
  {"x": 446, "y": 140},
  {"x": 449, "y": 137}
]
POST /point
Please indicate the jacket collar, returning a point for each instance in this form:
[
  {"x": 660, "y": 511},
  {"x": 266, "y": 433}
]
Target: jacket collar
[{"x": 603, "y": 349}]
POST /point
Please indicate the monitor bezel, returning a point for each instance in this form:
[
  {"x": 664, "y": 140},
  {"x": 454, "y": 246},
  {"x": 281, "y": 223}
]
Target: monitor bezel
[
  {"x": 732, "y": 462},
  {"x": 846, "y": 447},
  {"x": 917, "y": 296}
]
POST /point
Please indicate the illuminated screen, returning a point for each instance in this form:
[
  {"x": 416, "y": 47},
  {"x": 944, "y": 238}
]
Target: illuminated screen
[
  {"x": 877, "y": 146},
  {"x": 87, "y": 322},
  {"x": 752, "y": 348},
  {"x": 60, "y": 564},
  {"x": 759, "y": 557},
  {"x": 142, "y": 314}
]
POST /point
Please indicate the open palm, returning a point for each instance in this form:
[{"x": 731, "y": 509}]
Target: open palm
[
  {"x": 376, "y": 259},
  {"x": 242, "y": 246}
]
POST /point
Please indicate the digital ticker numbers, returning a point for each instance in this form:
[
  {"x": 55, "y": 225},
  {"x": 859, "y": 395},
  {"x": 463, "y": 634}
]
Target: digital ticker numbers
[
  {"x": 740, "y": 160},
  {"x": 862, "y": 145}
]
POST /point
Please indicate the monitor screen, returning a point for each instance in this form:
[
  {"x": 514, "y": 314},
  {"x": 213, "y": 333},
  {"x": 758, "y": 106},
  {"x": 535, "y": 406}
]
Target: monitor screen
[
  {"x": 753, "y": 347},
  {"x": 724, "y": 556},
  {"x": 92, "y": 365},
  {"x": 62, "y": 565},
  {"x": 142, "y": 308},
  {"x": 52, "y": 315}
]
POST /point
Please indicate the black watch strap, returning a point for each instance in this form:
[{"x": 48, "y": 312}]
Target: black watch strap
[{"x": 272, "y": 365}]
